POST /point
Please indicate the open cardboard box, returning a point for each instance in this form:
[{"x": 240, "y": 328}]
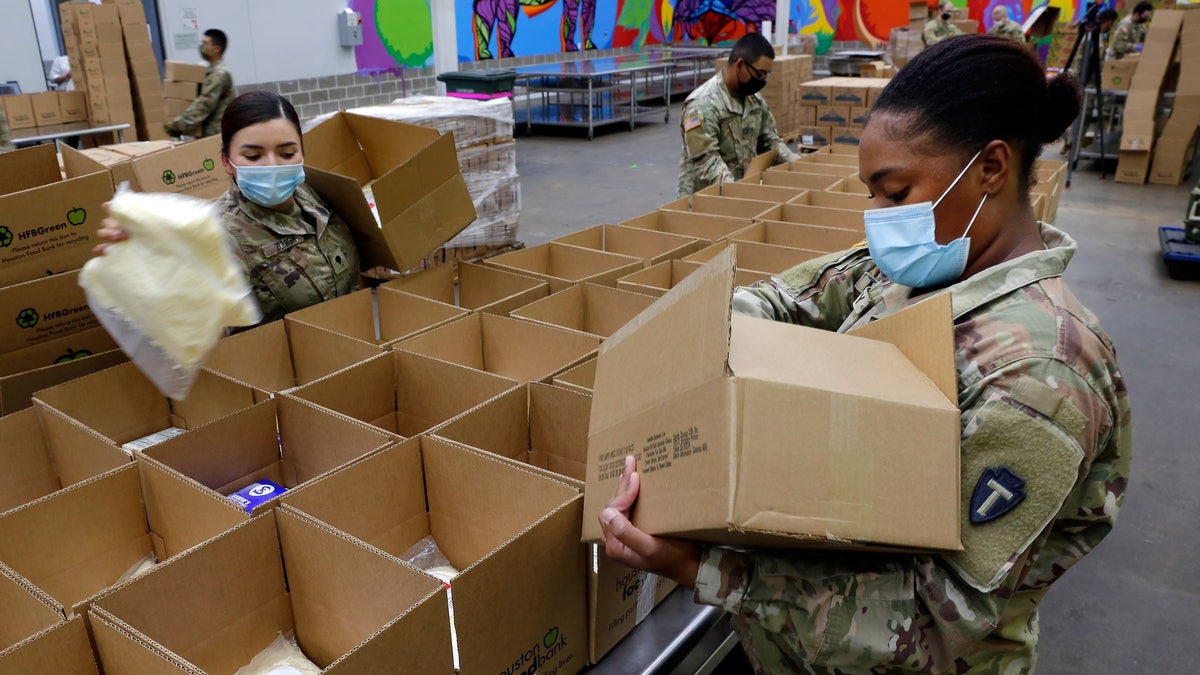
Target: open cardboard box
[
  {"x": 519, "y": 598},
  {"x": 752, "y": 256},
  {"x": 379, "y": 319},
  {"x": 420, "y": 194},
  {"x": 755, "y": 191},
  {"x": 401, "y": 393},
  {"x": 478, "y": 289},
  {"x": 651, "y": 246},
  {"x": 817, "y": 215},
  {"x": 851, "y": 185},
  {"x": 719, "y": 206},
  {"x": 17, "y": 389},
  {"x": 47, "y": 223},
  {"x": 659, "y": 279},
  {"x": 796, "y": 235},
  {"x": 34, "y": 638},
  {"x": 36, "y": 465},
  {"x": 280, "y": 355},
  {"x": 40, "y": 311},
  {"x": 814, "y": 168},
  {"x": 121, "y": 405},
  {"x": 522, "y": 351},
  {"x": 57, "y": 351},
  {"x": 77, "y": 542},
  {"x": 792, "y": 179},
  {"x": 712, "y": 405},
  {"x": 192, "y": 168},
  {"x": 703, "y": 226},
  {"x": 282, "y": 440},
  {"x": 351, "y": 609},
  {"x": 562, "y": 265},
  {"x": 547, "y": 427},
  {"x": 578, "y": 379},
  {"x": 834, "y": 200},
  {"x": 587, "y": 308}
]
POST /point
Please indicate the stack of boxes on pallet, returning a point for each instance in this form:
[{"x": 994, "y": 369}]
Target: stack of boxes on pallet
[
  {"x": 96, "y": 48},
  {"x": 146, "y": 86},
  {"x": 839, "y": 107},
  {"x": 181, "y": 86},
  {"x": 1141, "y": 115},
  {"x": 905, "y": 41}
]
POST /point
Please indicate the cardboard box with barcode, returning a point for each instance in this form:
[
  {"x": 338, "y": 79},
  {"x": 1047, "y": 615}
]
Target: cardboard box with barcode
[
  {"x": 34, "y": 638},
  {"x": 757, "y": 192},
  {"x": 578, "y": 379},
  {"x": 377, "y": 318},
  {"x": 561, "y": 265},
  {"x": 37, "y": 464},
  {"x": 770, "y": 259},
  {"x": 478, "y": 288},
  {"x": 718, "y": 206},
  {"x": 587, "y": 308},
  {"x": 122, "y": 405},
  {"x": 413, "y": 173},
  {"x": 712, "y": 405},
  {"x": 793, "y": 180},
  {"x": 706, "y": 227},
  {"x": 519, "y": 596},
  {"x": 797, "y": 235},
  {"x": 77, "y": 542},
  {"x": 651, "y": 246},
  {"x": 48, "y": 223},
  {"x": 401, "y": 393},
  {"x": 845, "y": 219},
  {"x": 350, "y": 608},
  {"x": 192, "y": 168},
  {"x": 522, "y": 351},
  {"x": 280, "y": 355},
  {"x": 547, "y": 427}
]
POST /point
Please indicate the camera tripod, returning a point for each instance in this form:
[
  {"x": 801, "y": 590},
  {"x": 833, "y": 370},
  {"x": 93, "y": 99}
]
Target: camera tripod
[{"x": 1089, "y": 76}]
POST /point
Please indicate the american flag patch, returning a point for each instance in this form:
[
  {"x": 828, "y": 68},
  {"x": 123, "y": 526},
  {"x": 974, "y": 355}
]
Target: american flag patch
[{"x": 691, "y": 123}]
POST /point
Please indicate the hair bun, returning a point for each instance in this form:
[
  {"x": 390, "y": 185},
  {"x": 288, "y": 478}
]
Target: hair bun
[{"x": 1062, "y": 104}]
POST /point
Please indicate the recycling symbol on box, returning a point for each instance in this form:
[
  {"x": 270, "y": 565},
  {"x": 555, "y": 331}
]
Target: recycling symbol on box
[
  {"x": 5, "y": 236},
  {"x": 169, "y": 177},
  {"x": 27, "y": 318}
]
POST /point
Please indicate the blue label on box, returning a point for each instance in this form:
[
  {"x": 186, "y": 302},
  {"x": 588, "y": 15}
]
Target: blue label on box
[{"x": 254, "y": 494}]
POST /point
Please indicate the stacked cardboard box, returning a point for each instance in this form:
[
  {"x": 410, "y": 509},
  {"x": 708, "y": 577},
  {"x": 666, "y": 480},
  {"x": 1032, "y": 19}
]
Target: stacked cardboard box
[
  {"x": 838, "y": 108},
  {"x": 96, "y": 47},
  {"x": 918, "y": 14},
  {"x": 782, "y": 92},
  {"x": 1141, "y": 104},
  {"x": 181, "y": 86},
  {"x": 1176, "y": 145},
  {"x": 143, "y": 70}
]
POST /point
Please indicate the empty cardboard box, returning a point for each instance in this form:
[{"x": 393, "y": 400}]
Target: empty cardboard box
[
  {"x": 703, "y": 226},
  {"x": 399, "y": 316},
  {"x": 817, "y": 215},
  {"x": 752, "y": 256},
  {"x": 796, "y": 235},
  {"x": 651, "y": 246},
  {"x": 561, "y": 265},
  {"x": 478, "y": 288},
  {"x": 587, "y": 308},
  {"x": 34, "y": 638},
  {"x": 758, "y": 192},
  {"x": 719, "y": 206},
  {"x": 578, "y": 379}
]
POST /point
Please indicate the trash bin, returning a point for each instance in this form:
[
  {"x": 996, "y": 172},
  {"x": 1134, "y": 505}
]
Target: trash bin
[{"x": 479, "y": 84}]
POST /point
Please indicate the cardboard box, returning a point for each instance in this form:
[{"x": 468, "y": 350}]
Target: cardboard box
[
  {"x": 967, "y": 26},
  {"x": 846, "y": 136},
  {"x": 518, "y": 350},
  {"x": 816, "y": 92},
  {"x": 217, "y": 607},
  {"x": 400, "y": 315},
  {"x": 816, "y": 166},
  {"x": 77, "y": 542},
  {"x": 656, "y": 281},
  {"x": 513, "y": 533},
  {"x": 18, "y": 109},
  {"x": 73, "y": 106},
  {"x": 770, "y": 259},
  {"x": 808, "y": 237},
  {"x": 1118, "y": 73},
  {"x": 17, "y": 388},
  {"x": 813, "y": 135},
  {"x": 45, "y": 108},
  {"x": 547, "y": 427},
  {"x": 827, "y": 156},
  {"x": 717, "y": 389},
  {"x": 479, "y": 288},
  {"x": 834, "y": 200},
  {"x": 282, "y": 440},
  {"x": 402, "y": 393},
  {"x": 587, "y": 308},
  {"x": 38, "y": 312},
  {"x": 1132, "y": 166},
  {"x": 174, "y": 107},
  {"x": 34, "y": 638},
  {"x": 718, "y": 206},
  {"x": 833, "y": 115},
  {"x": 794, "y": 180},
  {"x": 37, "y": 464},
  {"x": 192, "y": 168},
  {"x": 121, "y": 405},
  {"x": 706, "y": 227},
  {"x": 578, "y": 379},
  {"x": 562, "y": 266},
  {"x": 757, "y": 192},
  {"x": 182, "y": 71},
  {"x": 421, "y": 197},
  {"x": 651, "y": 246},
  {"x": 180, "y": 90},
  {"x": 858, "y": 116},
  {"x": 817, "y": 215},
  {"x": 280, "y": 355},
  {"x": 47, "y": 223}
]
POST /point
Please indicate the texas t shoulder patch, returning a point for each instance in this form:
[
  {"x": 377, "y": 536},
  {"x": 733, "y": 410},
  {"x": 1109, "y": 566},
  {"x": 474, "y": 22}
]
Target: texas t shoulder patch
[{"x": 998, "y": 491}]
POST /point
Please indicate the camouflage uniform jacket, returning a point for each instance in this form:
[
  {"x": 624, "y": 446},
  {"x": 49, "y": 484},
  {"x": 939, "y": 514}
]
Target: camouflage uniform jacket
[
  {"x": 1126, "y": 36},
  {"x": 1039, "y": 394},
  {"x": 1009, "y": 29},
  {"x": 292, "y": 260},
  {"x": 937, "y": 30},
  {"x": 5, "y": 135},
  {"x": 721, "y": 134},
  {"x": 203, "y": 116}
]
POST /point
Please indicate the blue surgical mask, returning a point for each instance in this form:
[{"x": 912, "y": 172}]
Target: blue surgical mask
[
  {"x": 903, "y": 242},
  {"x": 269, "y": 185}
]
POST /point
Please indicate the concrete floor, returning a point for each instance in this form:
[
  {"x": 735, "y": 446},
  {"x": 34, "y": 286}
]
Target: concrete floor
[{"x": 1133, "y": 605}]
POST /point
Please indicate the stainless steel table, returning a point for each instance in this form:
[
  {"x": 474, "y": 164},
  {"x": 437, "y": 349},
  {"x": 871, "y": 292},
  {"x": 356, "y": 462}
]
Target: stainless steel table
[{"x": 56, "y": 137}]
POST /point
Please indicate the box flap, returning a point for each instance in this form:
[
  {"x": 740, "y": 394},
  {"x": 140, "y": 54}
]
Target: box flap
[
  {"x": 693, "y": 318},
  {"x": 346, "y": 197},
  {"x": 28, "y": 168},
  {"x": 924, "y": 333}
]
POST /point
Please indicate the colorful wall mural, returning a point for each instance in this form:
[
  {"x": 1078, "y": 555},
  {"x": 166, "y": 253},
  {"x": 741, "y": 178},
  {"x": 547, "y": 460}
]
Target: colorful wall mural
[{"x": 398, "y": 33}]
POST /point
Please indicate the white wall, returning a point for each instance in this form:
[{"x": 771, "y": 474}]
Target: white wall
[
  {"x": 47, "y": 35},
  {"x": 269, "y": 40},
  {"x": 20, "y": 58}
]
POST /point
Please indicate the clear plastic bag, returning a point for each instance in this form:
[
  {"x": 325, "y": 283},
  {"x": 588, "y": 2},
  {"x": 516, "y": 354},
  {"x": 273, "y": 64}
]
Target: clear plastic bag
[
  {"x": 167, "y": 293},
  {"x": 281, "y": 657},
  {"x": 144, "y": 565},
  {"x": 425, "y": 555}
]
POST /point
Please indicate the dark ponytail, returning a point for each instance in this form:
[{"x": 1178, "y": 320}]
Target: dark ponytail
[
  {"x": 253, "y": 107},
  {"x": 966, "y": 91}
]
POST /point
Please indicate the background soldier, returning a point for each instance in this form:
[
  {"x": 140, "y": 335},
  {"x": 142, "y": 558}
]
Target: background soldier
[
  {"x": 203, "y": 116},
  {"x": 1130, "y": 31},
  {"x": 939, "y": 27}
]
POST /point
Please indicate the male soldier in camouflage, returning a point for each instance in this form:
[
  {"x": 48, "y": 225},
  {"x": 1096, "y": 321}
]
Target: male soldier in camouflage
[
  {"x": 1004, "y": 26},
  {"x": 1046, "y": 444},
  {"x": 726, "y": 123},
  {"x": 5, "y": 135},
  {"x": 203, "y": 116},
  {"x": 939, "y": 27},
  {"x": 1130, "y": 31}
]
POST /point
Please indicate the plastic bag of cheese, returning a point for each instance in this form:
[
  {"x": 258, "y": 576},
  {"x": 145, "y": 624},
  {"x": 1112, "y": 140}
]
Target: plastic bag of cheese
[
  {"x": 281, "y": 657},
  {"x": 167, "y": 293}
]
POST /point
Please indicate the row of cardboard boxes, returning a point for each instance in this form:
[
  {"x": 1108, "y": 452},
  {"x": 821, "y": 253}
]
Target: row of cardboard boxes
[{"x": 45, "y": 113}]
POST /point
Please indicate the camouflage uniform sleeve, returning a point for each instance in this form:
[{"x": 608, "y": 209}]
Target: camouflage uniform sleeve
[
  {"x": 1123, "y": 41},
  {"x": 817, "y": 293},
  {"x": 701, "y": 149},
  {"x": 5, "y": 136},
  {"x": 212, "y": 91},
  {"x": 768, "y": 139}
]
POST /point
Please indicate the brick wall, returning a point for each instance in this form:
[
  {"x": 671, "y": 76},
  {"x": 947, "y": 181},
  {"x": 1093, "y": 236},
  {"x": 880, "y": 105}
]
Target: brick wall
[{"x": 319, "y": 95}]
